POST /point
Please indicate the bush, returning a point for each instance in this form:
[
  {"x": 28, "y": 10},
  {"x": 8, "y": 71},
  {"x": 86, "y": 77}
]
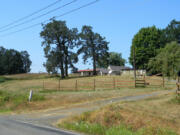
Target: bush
[
  {"x": 176, "y": 100},
  {"x": 2, "y": 79}
]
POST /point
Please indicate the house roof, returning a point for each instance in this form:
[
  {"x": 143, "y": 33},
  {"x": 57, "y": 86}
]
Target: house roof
[
  {"x": 85, "y": 70},
  {"x": 104, "y": 70},
  {"x": 119, "y": 68}
]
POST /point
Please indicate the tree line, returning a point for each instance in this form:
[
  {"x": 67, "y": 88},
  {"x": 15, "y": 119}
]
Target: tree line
[
  {"x": 63, "y": 45},
  {"x": 157, "y": 50},
  {"x": 14, "y": 62}
]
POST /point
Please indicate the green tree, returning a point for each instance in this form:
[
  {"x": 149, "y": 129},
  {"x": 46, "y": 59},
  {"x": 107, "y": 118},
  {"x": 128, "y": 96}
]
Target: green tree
[
  {"x": 52, "y": 63},
  {"x": 58, "y": 42},
  {"x": 167, "y": 61},
  {"x": 116, "y": 59},
  {"x": 112, "y": 58},
  {"x": 172, "y": 32},
  {"x": 2, "y": 60},
  {"x": 14, "y": 62},
  {"x": 93, "y": 46},
  {"x": 26, "y": 61},
  {"x": 146, "y": 44}
]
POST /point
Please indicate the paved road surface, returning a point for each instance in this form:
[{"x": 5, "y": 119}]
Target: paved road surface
[
  {"x": 12, "y": 127},
  {"x": 41, "y": 123}
]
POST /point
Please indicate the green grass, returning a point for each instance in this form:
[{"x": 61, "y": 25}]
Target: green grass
[
  {"x": 97, "y": 129},
  {"x": 175, "y": 100},
  {"x": 10, "y": 101},
  {"x": 4, "y": 79}
]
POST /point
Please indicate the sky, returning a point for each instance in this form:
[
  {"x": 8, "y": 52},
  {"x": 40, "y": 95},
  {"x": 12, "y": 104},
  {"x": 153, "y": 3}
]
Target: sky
[{"x": 117, "y": 20}]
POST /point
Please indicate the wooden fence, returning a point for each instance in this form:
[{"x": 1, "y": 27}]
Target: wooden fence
[
  {"x": 178, "y": 86},
  {"x": 103, "y": 83}
]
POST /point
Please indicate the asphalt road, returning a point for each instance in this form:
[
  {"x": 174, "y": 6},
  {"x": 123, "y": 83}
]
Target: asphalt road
[{"x": 13, "y": 127}]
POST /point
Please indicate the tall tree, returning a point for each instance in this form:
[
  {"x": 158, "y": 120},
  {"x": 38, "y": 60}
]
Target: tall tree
[
  {"x": 70, "y": 56},
  {"x": 172, "y": 32},
  {"x": 116, "y": 59},
  {"x": 58, "y": 42},
  {"x": 167, "y": 61},
  {"x": 93, "y": 46},
  {"x": 14, "y": 62},
  {"x": 26, "y": 61},
  {"x": 112, "y": 58},
  {"x": 2, "y": 60},
  {"x": 146, "y": 44},
  {"x": 52, "y": 63}
]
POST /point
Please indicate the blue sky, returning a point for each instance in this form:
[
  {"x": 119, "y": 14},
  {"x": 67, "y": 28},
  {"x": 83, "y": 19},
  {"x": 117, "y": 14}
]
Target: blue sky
[{"x": 117, "y": 20}]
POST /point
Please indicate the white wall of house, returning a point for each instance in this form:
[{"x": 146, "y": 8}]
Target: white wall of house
[{"x": 131, "y": 72}]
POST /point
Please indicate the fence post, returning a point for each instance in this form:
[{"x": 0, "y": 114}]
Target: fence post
[
  {"x": 59, "y": 84},
  {"x": 163, "y": 84},
  {"x": 76, "y": 85},
  {"x": 114, "y": 82},
  {"x": 94, "y": 84},
  {"x": 43, "y": 84},
  {"x": 178, "y": 83}
]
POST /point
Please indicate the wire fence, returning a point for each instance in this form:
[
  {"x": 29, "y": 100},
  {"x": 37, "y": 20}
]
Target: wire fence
[{"x": 103, "y": 83}]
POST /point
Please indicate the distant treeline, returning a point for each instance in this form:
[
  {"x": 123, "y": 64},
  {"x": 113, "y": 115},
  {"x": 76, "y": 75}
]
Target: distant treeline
[{"x": 14, "y": 62}]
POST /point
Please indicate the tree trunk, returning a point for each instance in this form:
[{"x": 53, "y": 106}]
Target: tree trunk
[
  {"x": 61, "y": 58},
  {"x": 66, "y": 61},
  {"x": 62, "y": 69},
  {"x": 94, "y": 60},
  {"x": 94, "y": 66}
]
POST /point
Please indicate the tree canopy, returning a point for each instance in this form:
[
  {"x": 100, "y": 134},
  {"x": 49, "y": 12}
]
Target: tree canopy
[
  {"x": 93, "y": 46},
  {"x": 167, "y": 61},
  {"x": 59, "y": 42},
  {"x": 14, "y": 62},
  {"x": 116, "y": 59},
  {"x": 146, "y": 44},
  {"x": 148, "y": 41},
  {"x": 172, "y": 32},
  {"x": 112, "y": 58}
]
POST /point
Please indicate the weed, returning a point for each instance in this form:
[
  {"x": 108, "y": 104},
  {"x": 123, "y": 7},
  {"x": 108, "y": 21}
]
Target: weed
[
  {"x": 97, "y": 129},
  {"x": 175, "y": 100},
  {"x": 10, "y": 101}
]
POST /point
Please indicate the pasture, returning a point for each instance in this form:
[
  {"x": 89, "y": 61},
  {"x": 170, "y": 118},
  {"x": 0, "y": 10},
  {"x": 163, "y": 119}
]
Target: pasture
[{"x": 49, "y": 93}]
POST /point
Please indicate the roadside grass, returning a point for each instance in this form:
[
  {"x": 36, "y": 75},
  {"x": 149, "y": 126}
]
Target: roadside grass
[
  {"x": 153, "y": 116},
  {"x": 97, "y": 129},
  {"x": 11, "y": 101}
]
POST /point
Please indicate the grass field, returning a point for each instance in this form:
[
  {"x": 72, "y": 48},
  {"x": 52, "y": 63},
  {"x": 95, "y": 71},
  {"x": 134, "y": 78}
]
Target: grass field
[
  {"x": 154, "y": 116},
  {"x": 14, "y": 91}
]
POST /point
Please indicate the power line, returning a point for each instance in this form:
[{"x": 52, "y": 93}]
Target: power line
[
  {"x": 66, "y": 13},
  {"x": 37, "y": 17},
  {"x": 36, "y": 12}
]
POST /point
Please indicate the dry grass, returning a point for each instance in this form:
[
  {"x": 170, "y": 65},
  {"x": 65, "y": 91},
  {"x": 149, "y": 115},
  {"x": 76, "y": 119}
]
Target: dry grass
[
  {"x": 151, "y": 113},
  {"x": 161, "y": 110},
  {"x": 21, "y": 84}
]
